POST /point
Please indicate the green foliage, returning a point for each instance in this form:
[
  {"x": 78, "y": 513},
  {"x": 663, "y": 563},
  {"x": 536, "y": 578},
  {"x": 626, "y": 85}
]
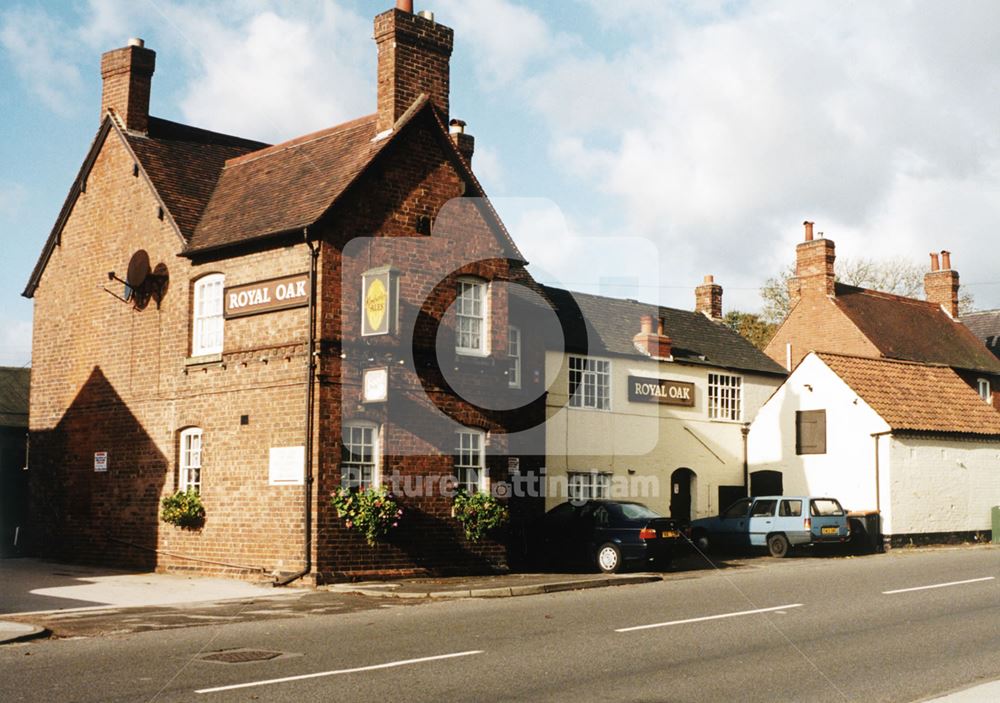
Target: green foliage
[
  {"x": 183, "y": 508},
  {"x": 479, "y": 513},
  {"x": 751, "y": 327},
  {"x": 373, "y": 511}
]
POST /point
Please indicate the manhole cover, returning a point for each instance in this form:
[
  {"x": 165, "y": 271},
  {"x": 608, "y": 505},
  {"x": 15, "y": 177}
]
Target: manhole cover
[{"x": 241, "y": 656}]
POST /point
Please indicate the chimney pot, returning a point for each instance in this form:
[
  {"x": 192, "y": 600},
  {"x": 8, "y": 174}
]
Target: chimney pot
[
  {"x": 946, "y": 260},
  {"x": 709, "y": 278},
  {"x": 136, "y": 41},
  {"x": 809, "y": 230},
  {"x": 646, "y": 324},
  {"x": 935, "y": 263},
  {"x": 405, "y": 6},
  {"x": 659, "y": 326},
  {"x": 457, "y": 126}
]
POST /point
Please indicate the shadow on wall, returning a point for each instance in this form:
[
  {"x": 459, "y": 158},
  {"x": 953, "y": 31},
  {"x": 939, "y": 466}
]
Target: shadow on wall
[{"x": 82, "y": 504}]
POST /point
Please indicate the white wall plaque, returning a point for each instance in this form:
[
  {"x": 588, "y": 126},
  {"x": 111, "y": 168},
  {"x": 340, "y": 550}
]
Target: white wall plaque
[
  {"x": 287, "y": 466},
  {"x": 100, "y": 461},
  {"x": 375, "y": 385}
]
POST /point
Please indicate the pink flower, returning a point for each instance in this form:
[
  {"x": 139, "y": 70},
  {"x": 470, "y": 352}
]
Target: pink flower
[
  {"x": 349, "y": 524},
  {"x": 395, "y": 524}
]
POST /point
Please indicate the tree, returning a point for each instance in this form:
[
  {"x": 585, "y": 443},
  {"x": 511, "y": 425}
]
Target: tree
[
  {"x": 898, "y": 276},
  {"x": 751, "y": 327}
]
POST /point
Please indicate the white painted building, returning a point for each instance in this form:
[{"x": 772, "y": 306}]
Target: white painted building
[
  {"x": 650, "y": 403},
  {"x": 910, "y": 440}
]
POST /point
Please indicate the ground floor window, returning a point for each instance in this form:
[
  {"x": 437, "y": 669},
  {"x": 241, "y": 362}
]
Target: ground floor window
[
  {"x": 359, "y": 456},
  {"x": 586, "y": 485},
  {"x": 190, "y": 460},
  {"x": 470, "y": 460}
]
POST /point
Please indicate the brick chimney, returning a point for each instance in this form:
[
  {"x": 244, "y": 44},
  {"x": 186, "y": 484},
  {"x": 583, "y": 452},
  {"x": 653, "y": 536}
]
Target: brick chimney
[
  {"x": 127, "y": 74},
  {"x": 941, "y": 283},
  {"x": 708, "y": 298},
  {"x": 657, "y": 345},
  {"x": 413, "y": 56},
  {"x": 814, "y": 260},
  {"x": 466, "y": 143}
]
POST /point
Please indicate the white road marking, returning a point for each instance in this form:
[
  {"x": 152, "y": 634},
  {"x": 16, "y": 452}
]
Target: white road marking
[
  {"x": 373, "y": 667},
  {"x": 709, "y": 617},
  {"x": 938, "y": 585}
]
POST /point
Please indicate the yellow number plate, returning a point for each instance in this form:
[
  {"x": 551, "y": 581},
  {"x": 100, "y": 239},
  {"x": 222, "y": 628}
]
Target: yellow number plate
[
  {"x": 668, "y": 533},
  {"x": 829, "y": 530}
]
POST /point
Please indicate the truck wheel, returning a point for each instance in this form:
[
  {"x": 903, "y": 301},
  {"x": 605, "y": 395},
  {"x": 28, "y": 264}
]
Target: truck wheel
[
  {"x": 609, "y": 558},
  {"x": 778, "y": 545}
]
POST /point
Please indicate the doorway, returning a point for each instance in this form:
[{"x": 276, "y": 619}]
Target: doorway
[
  {"x": 681, "y": 488},
  {"x": 766, "y": 483}
]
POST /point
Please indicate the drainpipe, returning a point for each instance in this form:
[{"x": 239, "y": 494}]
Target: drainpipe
[
  {"x": 745, "y": 431},
  {"x": 878, "y": 495},
  {"x": 310, "y": 383}
]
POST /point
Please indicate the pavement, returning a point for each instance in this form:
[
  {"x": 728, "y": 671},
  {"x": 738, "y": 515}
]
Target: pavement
[{"x": 40, "y": 597}]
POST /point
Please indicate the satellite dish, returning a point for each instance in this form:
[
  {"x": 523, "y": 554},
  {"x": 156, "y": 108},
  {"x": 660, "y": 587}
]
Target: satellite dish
[{"x": 138, "y": 269}]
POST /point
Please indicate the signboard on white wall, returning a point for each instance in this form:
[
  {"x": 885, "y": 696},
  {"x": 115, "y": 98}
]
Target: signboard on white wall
[{"x": 287, "y": 466}]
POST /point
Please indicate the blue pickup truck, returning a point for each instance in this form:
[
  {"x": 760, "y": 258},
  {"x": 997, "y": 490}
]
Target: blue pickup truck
[{"x": 776, "y": 522}]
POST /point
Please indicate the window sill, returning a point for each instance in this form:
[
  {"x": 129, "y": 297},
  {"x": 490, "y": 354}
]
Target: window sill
[{"x": 204, "y": 359}]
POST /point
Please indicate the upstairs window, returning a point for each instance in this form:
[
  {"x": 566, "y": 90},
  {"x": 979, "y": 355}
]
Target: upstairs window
[
  {"x": 589, "y": 383},
  {"x": 588, "y": 485},
  {"x": 190, "y": 460},
  {"x": 725, "y": 397},
  {"x": 359, "y": 456},
  {"x": 810, "y": 432},
  {"x": 984, "y": 390},
  {"x": 207, "y": 329},
  {"x": 514, "y": 353},
  {"x": 470, "y": 460},
  {"x": 471, "y": 330}
]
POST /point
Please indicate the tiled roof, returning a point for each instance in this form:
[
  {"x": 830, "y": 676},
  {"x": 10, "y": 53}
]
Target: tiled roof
[
  {"x": 986, "y": 326},
  {"x": 916, "y": 397},
  {"x": 286, "y": 186},
  {"x": 14, "y": 384},
  {"x": 914, "y": 330},
  {"x": 600, "y": 325},
  {"x": 184, "y": 164}
]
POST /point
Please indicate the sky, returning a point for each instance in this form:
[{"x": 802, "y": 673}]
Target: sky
[{"x": 630, "y": 146}]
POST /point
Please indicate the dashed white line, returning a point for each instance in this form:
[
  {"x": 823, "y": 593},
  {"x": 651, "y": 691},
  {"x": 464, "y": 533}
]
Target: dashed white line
[
  {"x": 938, "y": 585},
  {"x": 318, "y": 674},
  {"x": 710, "y": 617}
]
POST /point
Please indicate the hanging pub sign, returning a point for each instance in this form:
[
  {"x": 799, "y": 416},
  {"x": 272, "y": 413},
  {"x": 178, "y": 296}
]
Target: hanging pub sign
[
  {"x": 379, "y": 301},
  {"x": 267, "y": 296},
  {"x": 660, "y": 390}
]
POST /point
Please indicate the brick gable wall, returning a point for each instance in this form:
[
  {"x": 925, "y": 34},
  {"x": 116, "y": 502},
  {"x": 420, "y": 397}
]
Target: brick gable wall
[{"x": 816, "y": 324}]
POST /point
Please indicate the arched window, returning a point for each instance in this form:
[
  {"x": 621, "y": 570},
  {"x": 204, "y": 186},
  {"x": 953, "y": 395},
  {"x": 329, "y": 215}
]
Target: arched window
[
  {"x": 206, "y": 333},
  {"x": 189, "y": 466}
]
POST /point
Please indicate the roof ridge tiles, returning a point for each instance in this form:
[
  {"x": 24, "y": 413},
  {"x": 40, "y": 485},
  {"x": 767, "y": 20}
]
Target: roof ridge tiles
[{"x": 299, "y": 141}]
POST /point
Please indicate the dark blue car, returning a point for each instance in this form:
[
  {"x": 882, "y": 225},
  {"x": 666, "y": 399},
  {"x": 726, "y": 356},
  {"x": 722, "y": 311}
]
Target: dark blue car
[{"x": 609, "y": 534}]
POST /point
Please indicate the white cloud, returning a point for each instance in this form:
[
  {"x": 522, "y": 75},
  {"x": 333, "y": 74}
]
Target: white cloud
[
  {"x": 15, "y": 342},
  {"x": 489, "y": 170},
  {"x": 38, "y": 50},
  {"x": 272, "y": 76},
  {"x": 716, "y": 129}
]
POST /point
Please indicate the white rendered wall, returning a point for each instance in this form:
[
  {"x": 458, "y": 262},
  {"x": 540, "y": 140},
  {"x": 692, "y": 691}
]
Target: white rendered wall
[
  {"x": 847, "y": 470},
  {"x": 942, "y": 485},
  {"x": 650, "y": 439}
]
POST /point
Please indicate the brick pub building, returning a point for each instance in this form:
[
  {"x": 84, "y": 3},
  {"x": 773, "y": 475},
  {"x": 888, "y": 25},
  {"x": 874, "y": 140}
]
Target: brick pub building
[{"x": 199, "y": 312}]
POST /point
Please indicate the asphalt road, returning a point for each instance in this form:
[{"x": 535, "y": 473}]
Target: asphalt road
[{"x": 824, "y": 629}]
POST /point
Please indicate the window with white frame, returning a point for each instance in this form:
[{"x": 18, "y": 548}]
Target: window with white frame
[
  {"x": 470, "y": 460},
  {"x": 206, "y": 337},
  {"x": 587, "y": 485},
  {"x": 514, "y": 352},
  {"x": 984, "y": 389},
  {"x": 359, "y": 456},
  {"x": 189, "y": 476},
  {"x": 471, "y": 330},
  {"x": 725, "y": 397},
  {"x": 589, "y": 383}
]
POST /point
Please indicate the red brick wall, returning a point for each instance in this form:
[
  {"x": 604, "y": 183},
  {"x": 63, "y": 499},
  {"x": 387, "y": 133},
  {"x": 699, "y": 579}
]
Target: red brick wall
[{"x": 816, "y": 324}]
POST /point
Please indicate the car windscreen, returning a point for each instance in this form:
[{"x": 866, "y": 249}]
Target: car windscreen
[
  {"x": 633, "y": 511},
  {"x": 822, "y": 507}
]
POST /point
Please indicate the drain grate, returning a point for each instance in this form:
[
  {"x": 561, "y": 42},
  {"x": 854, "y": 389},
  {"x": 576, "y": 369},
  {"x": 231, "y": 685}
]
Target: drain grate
[{"x": 241, "y": 656}]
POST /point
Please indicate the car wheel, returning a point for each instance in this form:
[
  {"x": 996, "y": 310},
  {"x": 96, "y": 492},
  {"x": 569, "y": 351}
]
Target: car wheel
[
  {"x": 701, "y": 541},
  {"x": 609, "y": 558},
  {"x": 778, "y": 546}
]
